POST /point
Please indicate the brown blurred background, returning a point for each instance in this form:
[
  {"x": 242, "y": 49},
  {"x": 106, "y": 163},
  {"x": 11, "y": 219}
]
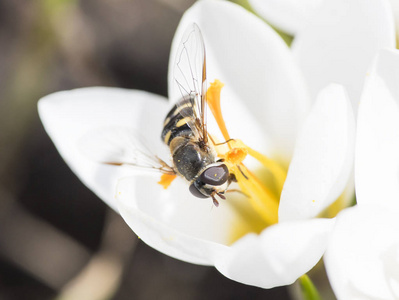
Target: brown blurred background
[{"x": 58, "y": 240}]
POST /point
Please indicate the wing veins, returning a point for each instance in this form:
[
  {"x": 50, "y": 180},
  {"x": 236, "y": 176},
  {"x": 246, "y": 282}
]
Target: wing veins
[{"x": 191, "y": 62}]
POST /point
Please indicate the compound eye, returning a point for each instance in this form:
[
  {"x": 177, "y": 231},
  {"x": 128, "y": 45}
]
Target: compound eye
[
  {"x": 216, "y": 175},
  {"x": 193, "y": 189}
]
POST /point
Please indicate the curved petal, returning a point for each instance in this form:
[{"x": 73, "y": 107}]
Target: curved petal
[
  {"x": 279, "y": 255},
  {"x": 340, "y": 42},
  {"x": 69, "y": 115},
  {"x": 173, "y": 221},
  {"x": 254, "y": 63},
  {"x": 377, "y": 144},
  {"x": 288, "y": 15},
  {"x": 362, "y": 259},
  {"x": 323, "y": 157}
]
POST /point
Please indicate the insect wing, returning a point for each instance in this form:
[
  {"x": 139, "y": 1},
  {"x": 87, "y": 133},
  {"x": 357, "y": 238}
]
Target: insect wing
[
  {"x": 189, "y": 74},
  {"x": 121, "y": 146}
]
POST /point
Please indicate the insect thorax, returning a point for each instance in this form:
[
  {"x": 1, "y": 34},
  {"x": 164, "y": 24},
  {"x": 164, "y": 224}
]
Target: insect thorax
[{"x": 189, "y": 158}]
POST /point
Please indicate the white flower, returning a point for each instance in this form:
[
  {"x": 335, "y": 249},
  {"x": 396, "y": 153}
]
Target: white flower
[
  {"x": 362, "y": 260},
  {"x": 330, "y": 37},
  {"x": 293, "y": 16},
  {"x": 265, "y": 104}
]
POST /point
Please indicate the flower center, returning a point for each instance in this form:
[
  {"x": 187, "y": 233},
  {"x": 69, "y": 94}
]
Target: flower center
[{"x": 263, "y": 196}]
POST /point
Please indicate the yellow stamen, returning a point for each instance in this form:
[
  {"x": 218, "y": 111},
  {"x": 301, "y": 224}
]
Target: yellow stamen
[
  {"x": 279, "y": 174},
  {"x": 166, "y": 180},
  {"x": 260, "y": 196},
  {"x": 213, "y": 99}
]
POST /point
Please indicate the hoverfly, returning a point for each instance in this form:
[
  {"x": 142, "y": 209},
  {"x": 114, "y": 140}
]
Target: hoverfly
[{"x": 184, "y": 131}]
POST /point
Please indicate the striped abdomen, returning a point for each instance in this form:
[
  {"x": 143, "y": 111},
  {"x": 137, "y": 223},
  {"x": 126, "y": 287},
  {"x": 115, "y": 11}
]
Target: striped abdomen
[{"x": 179, "y": 121}]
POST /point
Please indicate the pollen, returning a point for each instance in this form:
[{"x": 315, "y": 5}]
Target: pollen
[
  {"x": 166, "y": 180},
  {"x": 237, "y": 153}
]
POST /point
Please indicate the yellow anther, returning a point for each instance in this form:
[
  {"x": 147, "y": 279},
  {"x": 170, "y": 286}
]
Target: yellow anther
[
  {"x": 213, "y": 99},
  {"x": 236, "y": 155}
]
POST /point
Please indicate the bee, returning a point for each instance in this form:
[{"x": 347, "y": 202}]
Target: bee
[{"x": 184, "y": 131}]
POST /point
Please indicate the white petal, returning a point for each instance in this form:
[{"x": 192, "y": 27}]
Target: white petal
[
  {"x": 377, "y": 144},
  {"x": 279, "y": 255},
  {"x": 173, "y": 221},
  {"x": 362, "y": 259},
  {"x": 340, "y": 42},
  {"x": 69, "y": 115},
  {"x": 395, "y": 8},
  {"x": 288, "y": 15},
  {"x": 255, "y": 65},
  {"x": 323, "y": 157}
]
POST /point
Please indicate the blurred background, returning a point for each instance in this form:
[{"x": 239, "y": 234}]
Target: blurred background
[{"x": 58, "y": 240}]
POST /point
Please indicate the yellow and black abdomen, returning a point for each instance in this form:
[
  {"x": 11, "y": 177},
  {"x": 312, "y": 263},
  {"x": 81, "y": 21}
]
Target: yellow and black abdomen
[{"x": 179, "y": 122}]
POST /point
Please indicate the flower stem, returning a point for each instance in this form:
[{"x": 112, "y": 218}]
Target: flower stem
[{"x": 309, "y": 290}]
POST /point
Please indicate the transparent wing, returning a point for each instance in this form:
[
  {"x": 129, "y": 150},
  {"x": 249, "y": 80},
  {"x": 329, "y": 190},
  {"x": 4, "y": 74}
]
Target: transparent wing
[
  {"x": 189, "y": 75},
  {"x": 121, "y": 146}
]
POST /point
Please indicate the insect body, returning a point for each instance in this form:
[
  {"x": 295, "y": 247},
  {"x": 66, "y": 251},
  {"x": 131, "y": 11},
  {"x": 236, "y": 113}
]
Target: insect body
[
  {"x": 193, "y": 158},
  {"x": 185, "y": 130}
]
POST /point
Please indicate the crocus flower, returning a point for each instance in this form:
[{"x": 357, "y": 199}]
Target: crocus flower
[
  {"x": 329, "y": 38},
  {"x": 266, "y": 104},
  {"x": 362, "y": 260},
  {"x": 293, "y": 16}
]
